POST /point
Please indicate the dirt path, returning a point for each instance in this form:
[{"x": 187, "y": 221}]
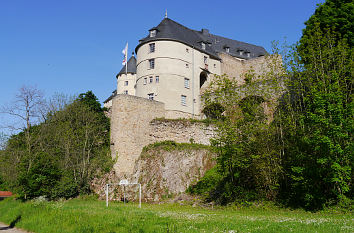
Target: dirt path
[{"x": 7, "y": 229}]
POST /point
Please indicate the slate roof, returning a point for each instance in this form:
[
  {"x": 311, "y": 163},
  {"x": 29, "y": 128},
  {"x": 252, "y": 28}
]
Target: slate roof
[
  {"x": 131, "y": 67},
  {"x": 171, "y": 30},
  {"x": 114, "y": 93}
]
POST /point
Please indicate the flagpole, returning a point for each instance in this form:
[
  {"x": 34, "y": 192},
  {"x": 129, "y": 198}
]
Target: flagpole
[{"x": 126, "y": 61}]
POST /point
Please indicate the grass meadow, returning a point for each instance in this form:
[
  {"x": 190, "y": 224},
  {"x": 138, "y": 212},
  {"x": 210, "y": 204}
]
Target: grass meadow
[{"x": 89, "y": 215}]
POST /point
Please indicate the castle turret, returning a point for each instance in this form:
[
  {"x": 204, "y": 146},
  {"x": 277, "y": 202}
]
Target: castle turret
[{"x": 126, "y": 78}]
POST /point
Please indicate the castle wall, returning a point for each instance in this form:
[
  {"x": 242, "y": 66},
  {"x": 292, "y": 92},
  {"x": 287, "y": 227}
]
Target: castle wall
[
  {"x": 130, "y": 129},
  {"x": 133, "y": 127}
]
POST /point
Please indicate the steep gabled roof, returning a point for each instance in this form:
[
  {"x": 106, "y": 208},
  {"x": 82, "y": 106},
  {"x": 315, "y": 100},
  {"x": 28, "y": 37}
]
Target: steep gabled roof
[
  {"x": 171, "y": 30},
  {"x": 131, "y": 67}
]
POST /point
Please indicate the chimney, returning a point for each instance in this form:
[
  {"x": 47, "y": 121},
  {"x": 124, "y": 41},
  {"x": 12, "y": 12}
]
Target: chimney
[{"x": 205, "y": 31}]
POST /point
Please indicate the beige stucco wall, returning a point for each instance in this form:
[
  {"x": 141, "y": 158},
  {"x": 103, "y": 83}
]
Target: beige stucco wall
[
  {"x": 133, "y": 127},
  {"x": 171, "y": 60},
  {"x": 121, "y": 87}
]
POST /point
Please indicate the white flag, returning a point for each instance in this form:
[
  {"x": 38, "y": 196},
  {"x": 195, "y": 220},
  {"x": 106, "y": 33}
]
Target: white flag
[{"x": 125, "y": 52}]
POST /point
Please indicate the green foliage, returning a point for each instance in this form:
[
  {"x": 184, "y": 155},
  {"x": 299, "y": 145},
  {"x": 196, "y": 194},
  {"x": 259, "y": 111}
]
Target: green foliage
[
  {"x": 214, "y": 111},
  {"x": 65, "y": 152},
  {"x": 334, "y": 15},
  {"x": 172, "y": 145},
  {"x": 317, "y": 122},
  {"x": 38, "y": 177},
  {"x": 246, "y": 144},
  {"x": 90, "y": 100},
  {"x": 206, "y": 185}
]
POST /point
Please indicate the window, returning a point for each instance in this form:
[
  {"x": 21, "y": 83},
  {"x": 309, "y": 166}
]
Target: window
[
  {"x": 187, "y": 50},
  {"x": 187, "y": 65},
  {"x": 205, "y": 60},
  {"x": 126, "y": 92},
  {"x": 203, "y": 45},
  {"x": 152, "y": 47},
  {"x": 125, "y": 83},
  {"x": 183, "y": 100},
  {"x": 157, "y": 79},
  {"x": 248, "y": 54},
  {"x": 241, "y": 52},
  {"x": 186, "y": 82},
  {"x": 151, "y": 96},
  {"x": 152, "y": 33},
  {"x": 151, "y": 79},
  {"x": 145, "y": 81},
  {"x": 214, "y": 65},
  {"x": 152, "y": 63},
  {"x": 227, "y": 49}
]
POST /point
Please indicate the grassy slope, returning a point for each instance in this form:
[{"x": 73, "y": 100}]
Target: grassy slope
[{"x": 92, "y": 216}]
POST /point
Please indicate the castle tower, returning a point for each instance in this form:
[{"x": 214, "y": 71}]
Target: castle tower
[
  {"x": 126, "y": 81},
  {"x": 175, "y": 64}
]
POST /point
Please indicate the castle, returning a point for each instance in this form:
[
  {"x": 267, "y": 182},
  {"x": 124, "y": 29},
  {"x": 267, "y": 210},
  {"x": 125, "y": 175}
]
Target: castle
[{"x": 172, "y": 67}]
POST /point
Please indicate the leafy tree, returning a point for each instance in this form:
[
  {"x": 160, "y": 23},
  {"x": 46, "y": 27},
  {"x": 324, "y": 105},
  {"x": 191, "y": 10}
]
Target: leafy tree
[
  {"x": 40, "y": 178},
  {"x": 91, "y": 101},
  {"x": 71, "y": 147},
  {"x": 317, "y": 123},
  {"x": 333, "y": 15},
  {"x": 248, "y": 163}
]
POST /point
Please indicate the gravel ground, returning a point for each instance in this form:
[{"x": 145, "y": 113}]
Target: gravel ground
[{"x": 6, "y": 229}]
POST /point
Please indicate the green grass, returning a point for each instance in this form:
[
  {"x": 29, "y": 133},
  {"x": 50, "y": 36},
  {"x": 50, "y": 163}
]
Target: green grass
[
  {"x": 79, "y": 215},
  {"x": 172, "y": 145}
]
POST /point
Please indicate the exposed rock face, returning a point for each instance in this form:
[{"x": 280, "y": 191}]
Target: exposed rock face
[{"x": 165, "y": 173}]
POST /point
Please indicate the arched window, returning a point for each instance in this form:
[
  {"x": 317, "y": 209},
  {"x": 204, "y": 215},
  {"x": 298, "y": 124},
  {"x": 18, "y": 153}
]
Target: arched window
[{"x": 202, "y": 78}]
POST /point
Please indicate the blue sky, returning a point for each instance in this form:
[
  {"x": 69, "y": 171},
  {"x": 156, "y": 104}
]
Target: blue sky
[{"x": 71, "y": 46}]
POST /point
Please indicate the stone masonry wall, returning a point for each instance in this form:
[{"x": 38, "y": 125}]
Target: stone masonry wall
[
  {"x": 130, "y": 121},
  {"x": 134, "y": 125}
]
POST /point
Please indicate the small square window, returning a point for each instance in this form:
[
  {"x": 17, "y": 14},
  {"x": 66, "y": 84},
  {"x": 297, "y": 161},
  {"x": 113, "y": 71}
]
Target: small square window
[
  {"x": 151, "y": 96},
  {"x": 125, "y": 83},
  {"x": 152, "y": 33},
  {"x": 145, "y": 80},
  {"x": 183, "y": 100},
  {"x": 151, "y": 79},
  {"x": 152, "y": 47},
  {"x": 187, "y": 65},
  {"x": 157, "y": 79},
  {"x": 126, "y": 92},
  {"x": 187, "y": 50},
  {"x": 186, "y": 82},
  {"x": 152, "y": 63},
  {"x": 214, "y": 65}
]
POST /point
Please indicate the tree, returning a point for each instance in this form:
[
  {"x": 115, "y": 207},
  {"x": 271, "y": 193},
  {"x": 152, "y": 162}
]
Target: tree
[
  {"x": 335, "y": 16},
  {"x": 71, "y": 148},
  {"x": 317, "y": 122},
  {"x": 248, "y": 162},
  {"x": 25, "y": 107}
]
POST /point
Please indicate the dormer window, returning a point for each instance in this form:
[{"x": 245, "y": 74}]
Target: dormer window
[
  {"x": 203, "y": 45},
  {"x": 248, "y": 54},
  {"x": 153, "y": 33},
  {"x": 227, "y": 49},
  {"x": 241, "y": 52}
]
